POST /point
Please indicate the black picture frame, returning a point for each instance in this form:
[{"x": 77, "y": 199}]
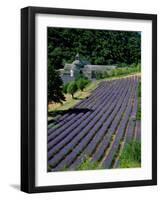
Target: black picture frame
[{"x": 28, "y": 98}]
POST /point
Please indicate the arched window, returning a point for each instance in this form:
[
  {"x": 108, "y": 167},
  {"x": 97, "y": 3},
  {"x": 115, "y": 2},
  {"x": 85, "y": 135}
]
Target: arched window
[{"x": 71, "y": 73}]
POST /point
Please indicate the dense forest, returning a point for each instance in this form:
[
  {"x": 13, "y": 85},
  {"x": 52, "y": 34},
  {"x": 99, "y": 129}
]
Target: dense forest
[{"x": 96, "y": 46}]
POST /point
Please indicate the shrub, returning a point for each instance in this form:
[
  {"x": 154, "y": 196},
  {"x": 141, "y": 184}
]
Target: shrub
[
  {"x": 81, "y": 83},
  {"x": 72, "y": 88},
  {"x": 88, "y": 164},
  {"x": 120, "y": 65},
  {"x": 131, "y": 155},
  {"x": 80, "y": 76},
  {"x": 65, "y": 87},
  {"x": 106, "y": 74},
  {"x": 133, "y": 65},
  {"x": 99, "y": 75},
  {"x": 113, "y": 72},
  {"x": 86, "y": 81},
  {"x": 119, "y": 71},
  {"x": 138, "y": 67}
]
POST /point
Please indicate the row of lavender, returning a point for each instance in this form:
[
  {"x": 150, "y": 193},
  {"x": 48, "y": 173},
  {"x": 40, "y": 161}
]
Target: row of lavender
[{"x": 95, "y": 126}]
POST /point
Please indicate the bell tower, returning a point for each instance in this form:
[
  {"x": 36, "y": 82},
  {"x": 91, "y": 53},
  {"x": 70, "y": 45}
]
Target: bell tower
[{"x": 77, "y": 57}]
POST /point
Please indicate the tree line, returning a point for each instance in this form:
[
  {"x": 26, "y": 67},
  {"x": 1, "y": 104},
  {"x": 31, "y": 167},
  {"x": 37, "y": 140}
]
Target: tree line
[
  {"x": 102, "y": 47},
  {"x": 96, "y": 46}
]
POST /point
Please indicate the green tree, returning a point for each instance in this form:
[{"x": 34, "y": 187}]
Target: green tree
[
  {"x": 72, "y": 88},
  {"x": 65, "y": 87},
  {"x": 81, "y": 83},
  {"x": 55, "y": 86}
]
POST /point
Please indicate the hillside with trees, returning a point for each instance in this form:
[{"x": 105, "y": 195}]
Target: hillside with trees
[{"x": 97, "y": 46}]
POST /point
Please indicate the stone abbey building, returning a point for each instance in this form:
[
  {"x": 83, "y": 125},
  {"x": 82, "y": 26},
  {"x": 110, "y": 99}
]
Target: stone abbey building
[{"x": 79, "y": 66}]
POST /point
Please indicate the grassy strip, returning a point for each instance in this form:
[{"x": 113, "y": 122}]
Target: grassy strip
[
  {"x": 87, "y": 164},
  {"x": 70, "y": 102},
  {"x": 131, "y": 155},
  {"x": 138, "y": 114}
]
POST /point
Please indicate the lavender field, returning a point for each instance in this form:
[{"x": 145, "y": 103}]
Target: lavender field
[{"x": 97, "y": 128}]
